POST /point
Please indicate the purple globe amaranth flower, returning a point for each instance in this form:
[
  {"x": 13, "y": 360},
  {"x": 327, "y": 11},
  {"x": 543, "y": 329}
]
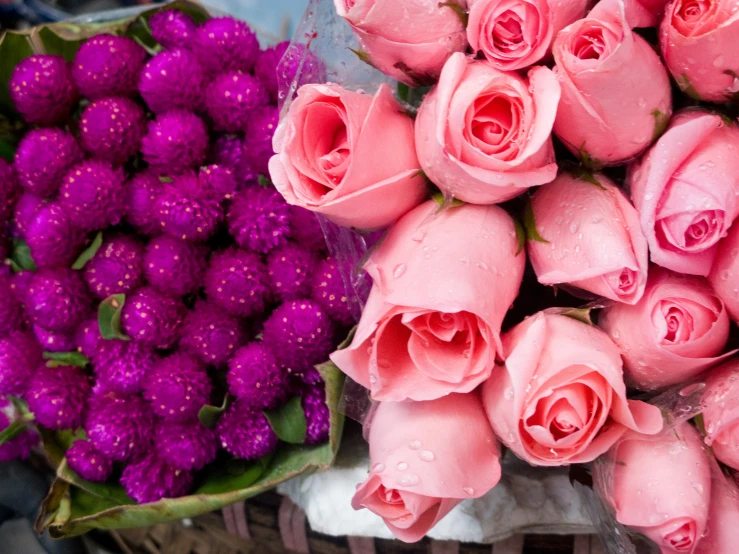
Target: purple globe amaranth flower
[
  {"x": 226, "y": 44},
  {"x": 219, "y": 180},
  {"x": 232, "y": 97},
  {"x": 88, "y": 462},
  {"x": 177, "y": 140},
  {"x": 42, "y": 89},
  {"x": 57, "y": 299},
  {"x": 9, "y": 190},
  {"x": 87, "y": 337},
  {"x": 300, "y": 334},
  {"x": 306, "y": 229},
  {"x": 152, "y": 317},
  {"x": 92, "y": 193},
  {"x": 20, "y": 356},
  {"x": 330, "y": 292},
  {"x": 26, "y": 207},
  {"x": 54, "y": 342},
  {"x": 19, "y": 283},
  {"x": 265, "y": 69},
  {"x": 173, "y": 79},
  {"x": 291, "y": 269},
  {"x": 53, "y": 239},
  {"x": 175, "y": 266},
  {"x": 186, "y": 211},
  {"x": 11, "y": 309},
  {"x": 259, "y": 219},
  {"x": 43, "y": 158},
  {"x": 255, "y": 378},
  {"x": 111, "y": 129},
  {"x": 150, "y": 479},
  {"x": 108, "y": 65},
  {"x": 19, "y": 447},
  {"x": 237, "y": 282},
  {"x": 258, "y": 142},
  {"x": 245, "y": 432},
  {"x": 121, "y": 365},
  {"x": 317, "y": 414},
  {"x": 116, "y": 268},
  {"x": 210, "y": 335},
  {"x": 177, "y": 387},
  {"x": 120, "y": 426},
  {"x": 186, "y": 446},
  {"x": 173, "y": 29},
  {"x": 142, "y": 193},
  {"x": 278, "y": 68},
  {"x": 57, "y": 395}
]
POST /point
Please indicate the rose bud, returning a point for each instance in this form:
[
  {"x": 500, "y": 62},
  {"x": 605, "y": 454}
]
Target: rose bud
[
  {"x": 724, "y": 274},
  {"x": 685, "y": 189},
  {"x": 723, "y": 532},
  {"x": 678, "y": 329},
  {"x": 616, "y": 93},
  {"x": 418, "y": 318},
  {"x": 484, "y": 136},
  {"x": 593, "y": 238},
  {"x": 443, "y": 453},
  {"x": 514, "y": 35},
  {"x": 660, "y": 486},
  {"x": 721, "y": 413},
  {"x": 409, "y": 41},
  {"x": 560, "y": 398},
  {"x": 698, "y": 44},
  {"x": 338, "y": 174}
]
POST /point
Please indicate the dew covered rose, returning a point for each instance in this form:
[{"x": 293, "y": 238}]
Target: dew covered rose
[
  {"x": 721, "y": 412},
  {"x": 724, "y": 274}
]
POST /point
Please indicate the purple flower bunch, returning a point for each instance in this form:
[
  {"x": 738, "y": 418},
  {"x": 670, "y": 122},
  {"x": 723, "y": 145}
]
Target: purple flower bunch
[{"x": 152, "y": 207}]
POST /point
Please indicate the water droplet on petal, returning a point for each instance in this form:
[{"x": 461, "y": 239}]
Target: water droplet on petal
[
  {"x": 426, "y": 455},
  {"x": 415, "y": 445},
  {"x": 399, "y": 270},
  {"x": 378, "y": 468},
  {"x": 402, "y": 466},
  {"x": 409, "y": 480},
  {"x": 469, "y": 491}
]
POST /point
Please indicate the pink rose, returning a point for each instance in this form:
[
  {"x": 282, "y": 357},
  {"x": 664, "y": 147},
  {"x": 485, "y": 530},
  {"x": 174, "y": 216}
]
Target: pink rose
[
  {"x": 724, "y": 274},
  {"x": 443, "y": 282},
  {"x": 513, "y": 34},
  {"x": 650, "y": 12},
  {"x": 407, "y": 39},
  {"x": 721, "y": 412},
  {"x": 723, "y": 532},
  {"x": 678, "y": 329},
  {"x": 661, "y": 487},
  {"x": 561, "y": 398},
  {"x": 348, "y": 156},
  {"x": 426, "y": 458},
  {"x": 484, "y": 135},
  {"x": 685, "y": 190},
  {"x": 593, "y": 239},
  {"x": 615, "y": 91},
  {"x": 698, "y": 40}
]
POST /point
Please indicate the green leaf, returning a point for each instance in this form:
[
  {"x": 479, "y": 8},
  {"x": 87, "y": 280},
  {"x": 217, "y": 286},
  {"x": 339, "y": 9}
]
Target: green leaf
[
  {"x": 14, "y": 47},
  {"x": 580, "y": 314},
  {"x": 89, "y": 252},
  {"x": 265, "y": 181},
  {"x": 22, "y": 256},
  {"x": 288, "y": 422},
  {"x": 238, "y": 474},
  {"x": 700, "y": 424},
  {"x": 444, "y": 202},
  {"x": 529, "y": 223},
  {"x": 687, "y": 87},
  {"x": 363, "y": 56},
  {"x": 166, "y": 179},
  {"x": 459, "y": 10},
  {"x": 661, "y": 120},
  {"x": 109, "y": 317},
  {"x": 520, "y": 235},
  {"x": 420, "y": 173},
  {"x": 404, "y": 92},
  {"x": 209, "y": 415},
  {"x": 7, "y": 152},
  {"x": 55, "y": 44},
  {"x": 66, "y": 359},
  {"x": 56, "y": 443},
  {"x": 587, "y": 160},
  {"x": 582, "y": 174},
  {"x": 12, "y": 431}
]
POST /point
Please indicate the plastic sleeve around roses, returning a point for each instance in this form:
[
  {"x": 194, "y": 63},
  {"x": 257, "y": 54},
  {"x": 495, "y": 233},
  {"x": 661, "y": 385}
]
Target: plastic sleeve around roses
[{"x": 682, "y": 402}]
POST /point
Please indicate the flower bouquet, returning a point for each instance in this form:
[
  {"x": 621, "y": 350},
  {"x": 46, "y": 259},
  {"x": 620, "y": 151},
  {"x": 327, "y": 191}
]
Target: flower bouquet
[
  {"x": 166, "y": 316},
  {"x": 554, "y": 188}
]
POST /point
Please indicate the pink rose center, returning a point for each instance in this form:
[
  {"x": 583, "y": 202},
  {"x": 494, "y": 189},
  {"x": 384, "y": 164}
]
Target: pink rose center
[
  {"x": 623, "y": 282},
  {"x": 390, "y": 496},
  {"x": 682, "y": 538},
  {"x": 334, "y": 163},
  {"x": 691, "y": 231},
  {"x": 508, "y": 32},
  {"x": 493, "y": 125},
  {"x": 693, "y": 17},
  {"x": 590, "y": 45}
]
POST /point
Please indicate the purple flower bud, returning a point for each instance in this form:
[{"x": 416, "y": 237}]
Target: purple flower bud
[
  {"x": 111, "y": 129},
  {"x": 92, "y": 193},
  {"x": 329, "y": 291},
  {"x": 259, "y": 219},
  {"x": 56, "y": 396},
  {"x": 19, "y": 283},
  {"x": 175, "y": 141},
  {"x": 228, "y": 150},
  {"x": 53, "y": 342},
  {"x": 27, "y": 206},
  {"x": 121, "y": 365},
  {"x": 172, "y": 80},
  {"x": 87, "y": 337},
  {"x": 245, "y": 432},
  {"x": 255, "y": 378},
  {"x": 219, "y": 180},
  {"x": 211, "y": 335},
  {"x": 258, "y": 142},
  {"x": 88, "y": 462},
  {"x": 317, "y": 414},
  {"x": 43, "y": 158},
  {"x": 152, "y": 318},
  {"x": 9, "y": 190},
  {"x": 226, "y": 44},
  {"x": 300, "y": 335},
  {"x": 11, "y": 310},
  {"x": 291, "y": 269},
  {"x": 119, "y": 426},
  {"x": 53, "y": 240},
  {"x": 177, "y": 387},
  {"x": 172, "y": 29},
  {"x": 20, "y": 356},
  {"x": 231, "y": 99},
  {"x": 266, "y": 67},
  {"x": 57, "y": 299},
  {"x": 186, "y": 446},
  {"x": 42, "y": 89},
  {"x": 306, "y": 229},
  {"x": 108, "y": 65},
  {"x": 186, "y": 211},
  {"x": 142, "y": 193},
  {"x": 150, "y": 479},
  {"x": 237, "y": 281},
  {"x": 116, "y": 268},
  {"x": 175, "y": 266}
]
